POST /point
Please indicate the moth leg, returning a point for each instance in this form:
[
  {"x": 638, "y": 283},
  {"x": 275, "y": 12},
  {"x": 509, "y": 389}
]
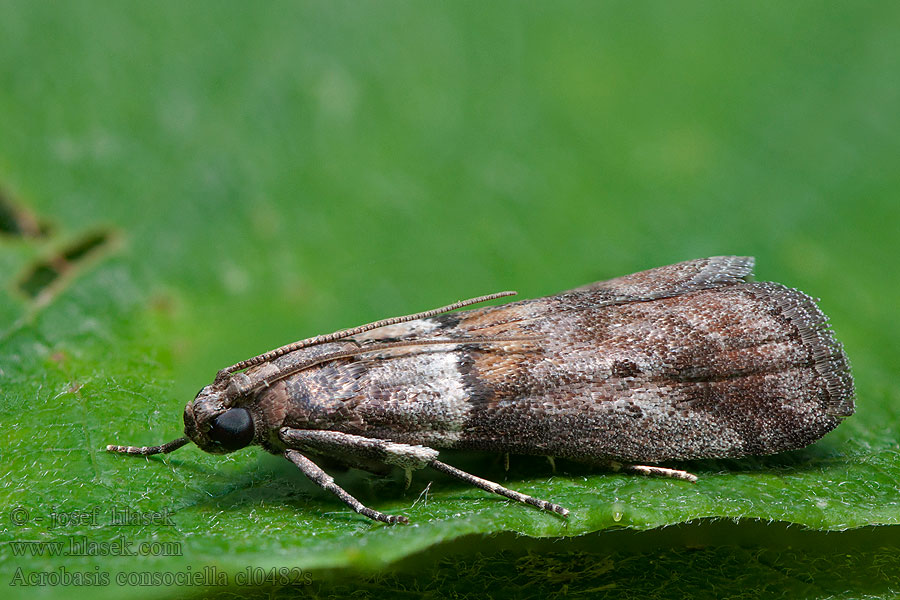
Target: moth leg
[
  {"x": 655, "y": 471},
  {"x": 357, "y": 451},
  {"x": 405, "y": 456},
  {"x": 326, "y": 482},
  {"x": 496, "y": 488},
  {"x": 352, "y": 448},
  {"x": 407, "y": 478}
]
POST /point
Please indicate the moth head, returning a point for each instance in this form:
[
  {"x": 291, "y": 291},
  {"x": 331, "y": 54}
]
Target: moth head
[
  {"x": 215, "y": 426},
  {"x": 210, "y": 421}
]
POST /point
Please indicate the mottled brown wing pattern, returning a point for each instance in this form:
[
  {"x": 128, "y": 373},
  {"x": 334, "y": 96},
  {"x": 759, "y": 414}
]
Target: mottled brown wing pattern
[{"x": 685, "y": 361}]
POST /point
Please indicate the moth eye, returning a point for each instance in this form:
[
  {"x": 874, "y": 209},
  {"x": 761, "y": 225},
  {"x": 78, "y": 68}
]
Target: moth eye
[{"x": 233, "y": 429}]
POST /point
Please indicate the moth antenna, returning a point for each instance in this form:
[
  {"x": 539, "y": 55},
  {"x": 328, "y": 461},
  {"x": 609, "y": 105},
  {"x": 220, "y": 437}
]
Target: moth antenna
[
  {"x": 385, "y": 346},
  {"x": 337, "y": 335},
  {"x": 148, "y": 450}
]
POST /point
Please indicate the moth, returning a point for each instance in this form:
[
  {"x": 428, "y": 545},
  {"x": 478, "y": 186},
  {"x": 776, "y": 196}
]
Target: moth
[{"x": 680, "y": 362}]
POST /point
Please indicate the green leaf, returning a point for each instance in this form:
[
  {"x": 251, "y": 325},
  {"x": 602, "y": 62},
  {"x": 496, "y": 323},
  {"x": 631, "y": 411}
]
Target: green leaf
[{"x": 185, "y": 185}]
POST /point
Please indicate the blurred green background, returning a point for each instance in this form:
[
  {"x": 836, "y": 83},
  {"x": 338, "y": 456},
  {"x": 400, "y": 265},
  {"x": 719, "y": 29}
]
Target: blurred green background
[{"x": 183, "y": 185}]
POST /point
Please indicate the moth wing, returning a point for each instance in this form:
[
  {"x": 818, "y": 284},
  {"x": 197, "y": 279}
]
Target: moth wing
[
  {"x": 672, "y": 280},
  {"x": 661, "y": 282}
]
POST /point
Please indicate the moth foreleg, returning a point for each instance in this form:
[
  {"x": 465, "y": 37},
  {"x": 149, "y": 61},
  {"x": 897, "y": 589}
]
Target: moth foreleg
[
  {"x": 326, "y": 482},
  {"x": 357, "y": 450},
  {"x": 496, "y": 488},
  {"x": 348, "y": 446},
  {"x": 405, "y": 456}
]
